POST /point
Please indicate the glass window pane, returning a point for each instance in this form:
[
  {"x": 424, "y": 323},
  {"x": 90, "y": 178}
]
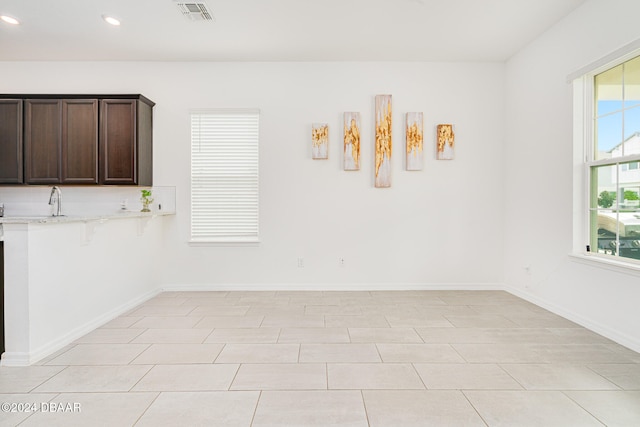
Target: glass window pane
[
  {"x": 629, "y": 194},
  {"x": 604, "y": 238},
  {"x": 632, "y": 82},
  {"x": 608, "y": 90},
  {"x": 630, "y": 247},
  {"x": 629, "y": 220},
  {"x": 631, "y": 128},
  {"x": 608, "y": 107},
  {"x": 603, "y": 218},
  {"x": 609, "y": 136},
  {"x": 604, "y": 187},
  {"x": 629, "y": 187}
]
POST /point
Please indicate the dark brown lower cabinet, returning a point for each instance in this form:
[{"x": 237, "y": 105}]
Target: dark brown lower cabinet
[{"x": 1, "y": 297}]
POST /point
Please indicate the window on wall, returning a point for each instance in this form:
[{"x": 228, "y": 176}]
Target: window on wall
[
  {"x": 224, "y": 175},
  {"x": 612, "y": 158}
]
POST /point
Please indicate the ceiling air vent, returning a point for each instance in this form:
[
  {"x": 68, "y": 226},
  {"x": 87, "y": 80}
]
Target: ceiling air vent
[{"x": 195, "y": 11}]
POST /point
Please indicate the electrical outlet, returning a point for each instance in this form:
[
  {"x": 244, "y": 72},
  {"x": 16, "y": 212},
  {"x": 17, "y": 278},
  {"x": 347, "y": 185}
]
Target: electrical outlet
[
  {"x": 300, "y": 262},
  {"x": 341, "y": 262}
]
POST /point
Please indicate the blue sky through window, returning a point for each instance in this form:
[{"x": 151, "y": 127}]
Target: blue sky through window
[{"x": 609, "y": 126}]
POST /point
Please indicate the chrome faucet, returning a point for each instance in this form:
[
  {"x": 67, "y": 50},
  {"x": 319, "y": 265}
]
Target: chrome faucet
[{"x": 55, "y": 191}]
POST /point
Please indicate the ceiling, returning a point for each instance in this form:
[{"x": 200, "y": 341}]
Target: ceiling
[{"x": 276, "y": 30}]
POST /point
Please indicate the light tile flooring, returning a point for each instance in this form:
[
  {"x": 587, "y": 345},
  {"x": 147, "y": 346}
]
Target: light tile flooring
[{"x": 412, "y": 358}]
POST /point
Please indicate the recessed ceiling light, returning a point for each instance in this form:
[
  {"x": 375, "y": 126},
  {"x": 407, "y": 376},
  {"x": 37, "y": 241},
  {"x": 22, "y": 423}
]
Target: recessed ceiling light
[
  {"x": 111, "y": 20},
  {"x": 9, "y": 20}
]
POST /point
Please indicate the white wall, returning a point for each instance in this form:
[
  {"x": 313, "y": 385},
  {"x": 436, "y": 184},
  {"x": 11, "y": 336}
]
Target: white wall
[
  {"x": 438, "y": 227},
  {"x": 538, "y": 156}
]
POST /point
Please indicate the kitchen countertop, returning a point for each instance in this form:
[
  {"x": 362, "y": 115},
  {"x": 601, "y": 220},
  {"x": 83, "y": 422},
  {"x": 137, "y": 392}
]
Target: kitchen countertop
[{"x": 48, "y": 219}]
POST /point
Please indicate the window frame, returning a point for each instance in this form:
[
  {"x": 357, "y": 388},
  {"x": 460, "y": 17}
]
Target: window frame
[
  {"x": 584, "y": 160},
  {"x": 196, "y": 239}
]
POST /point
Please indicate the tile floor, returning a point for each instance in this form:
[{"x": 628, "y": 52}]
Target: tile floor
[{"x": 406, "y": 358}]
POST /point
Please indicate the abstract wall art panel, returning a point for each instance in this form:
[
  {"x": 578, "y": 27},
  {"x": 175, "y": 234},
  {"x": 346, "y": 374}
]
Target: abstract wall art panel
[
  {"x": 320, "y": 141},
  {"x": 383, "y": 141},
  {"x": 351, "y": 141},
  {"x": 446, "y": 142},
  {"x": 414, "y": 136}
]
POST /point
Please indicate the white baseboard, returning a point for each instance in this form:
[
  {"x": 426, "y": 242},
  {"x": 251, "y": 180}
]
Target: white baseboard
[
  {"x": 26, "y": 359},
  {"x": 15, "y": 359},
  {"x": 333, "y": 287},
  {"x": 606, "y": 331}
]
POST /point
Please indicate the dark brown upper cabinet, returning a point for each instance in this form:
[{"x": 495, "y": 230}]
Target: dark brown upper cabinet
[
  {"x": 125, "y": 142},
  {"x": 79, "y": 141},
  {"x": 11, "y": 171},
  {"x": 42, "y": 140},
  {"x": 76, "y": 139},
  {"x": 61, "y": 141}
]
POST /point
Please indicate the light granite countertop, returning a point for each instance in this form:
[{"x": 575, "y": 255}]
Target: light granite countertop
[{"x": 48, "y": 219}]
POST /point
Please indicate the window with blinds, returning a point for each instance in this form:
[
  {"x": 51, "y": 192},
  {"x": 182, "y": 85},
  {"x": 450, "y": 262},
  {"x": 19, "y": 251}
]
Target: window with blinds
[{"x": 224, "y": 175}]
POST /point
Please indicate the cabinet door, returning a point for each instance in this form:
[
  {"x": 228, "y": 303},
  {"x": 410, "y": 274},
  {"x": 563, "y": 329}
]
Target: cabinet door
[
  {"x": 42, "y": 139},
  {"x": 118, "y": 143},
  {"x": 11, "y": 141},
  {"x": 80, "y": 141}
]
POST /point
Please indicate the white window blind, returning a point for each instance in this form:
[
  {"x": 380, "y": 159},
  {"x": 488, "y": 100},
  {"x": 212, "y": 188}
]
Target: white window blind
[{"x": 224, "y": 175}]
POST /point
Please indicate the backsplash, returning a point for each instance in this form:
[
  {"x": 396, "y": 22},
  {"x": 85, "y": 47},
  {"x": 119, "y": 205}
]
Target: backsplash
[{"x": 78, "y": 200}]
